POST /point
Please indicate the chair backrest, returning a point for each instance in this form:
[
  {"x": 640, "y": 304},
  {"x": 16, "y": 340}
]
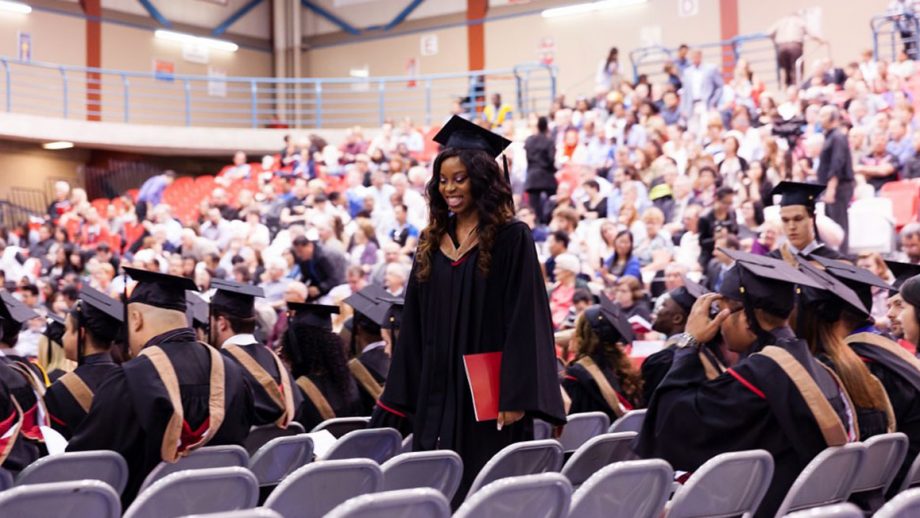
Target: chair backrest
[
  {"x": 256, "y": 512},
  {"x": 582, "y": 427},
  {"x": 905, "y": 503},
  {"x": 406, "y": 444},
  {"x": 635, "y": 489},
  {"x": 596, "y": 453},
  {"x": 77, "y": 498},
  {"x": 205, "y": 457},
  {"x": 884, "y": 455},
  {"x": 339, "y": 426},
  {"x": 260, "y": 435},
  {"x": 405, "y": 503},
  {"x": 103, "y": 465},
  {"x": 197, "y": 491},
  {"x": 913, "y": 475},
  {"x": 542, "y": 430},
  {"x": 546, "y": 495},
  {"x": 729, "y": 484},
  {"x": 629, "y": 422},
  {"x": 522, "y": 458},
  {"x": 317, "y": 488},
  {"x": 827, "y": 479},
  {"x": 6, "y": 479},
  {"x": 377, "y": 444},
  {"x": 844, "y": 510},
  {"x": 439, "y": 469},
  {"x": 279, "y": 457}
]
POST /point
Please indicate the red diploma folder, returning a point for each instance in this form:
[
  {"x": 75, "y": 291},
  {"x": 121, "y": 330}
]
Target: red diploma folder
[{"x": 483, "y": 372}]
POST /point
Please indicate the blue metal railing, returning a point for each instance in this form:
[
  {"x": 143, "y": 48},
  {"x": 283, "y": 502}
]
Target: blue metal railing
[
  {"x": 194, "y": 100},
  {"x": 757, "y": 49},
  {"x": 891, "y": 33}
]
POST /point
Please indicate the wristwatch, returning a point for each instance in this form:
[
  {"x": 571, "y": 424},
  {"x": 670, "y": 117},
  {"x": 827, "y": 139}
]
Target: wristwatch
[{"x": 685, "y": 340}]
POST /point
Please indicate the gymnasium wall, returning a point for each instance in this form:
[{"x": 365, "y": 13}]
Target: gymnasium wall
[{"x": 27, "y": 166}]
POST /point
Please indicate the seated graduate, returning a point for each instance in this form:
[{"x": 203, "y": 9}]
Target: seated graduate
[
  {"x": 318, "y": 365},
  {"x": 198, "y": 314},
  {"x": 602, "y": 377},
  {"x": 233, "y": 322},
  {"x": 824, "y": 319},
  {"x": 91, "y": 330},
  {"x": 797, "y": 210},
  {"x": 900, "y": 272},
  {"x": 51, "y": 354},
  {"x": 670, "y": 320},
  {"x": 777, "y": 398},
  {"x": 175, "y": 394},
  {"x": 15, "y": 314},
  {"x": 16, "y": 452},
  {"x": 375, "y": 322}
]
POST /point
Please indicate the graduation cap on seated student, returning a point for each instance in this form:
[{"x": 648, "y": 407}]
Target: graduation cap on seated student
[
  {"x": 685, "y": 296},
  {"x": 313, "y": 315},
  {"x": 901, "y": 272},
  {"x": 374, "y": 308},
  {"x": 460, "y": 133},
  {"x": 99, "y": 313},
  {"x": 197, "y": 310},
  {"x": 54, "y": 328},
  {"x": 13, "y": 314},
  {"x": 233, "y": 299},
  {"x": 833, "y": 297},
  {"x": 609, "y": 323},
  {"x": 857, "y": 279},
  {"x": 155, "y": 289}
]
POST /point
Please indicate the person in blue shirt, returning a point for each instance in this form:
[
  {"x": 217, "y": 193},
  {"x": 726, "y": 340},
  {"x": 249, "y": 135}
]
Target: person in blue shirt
[
  {"x": 151, "y": 193},
  {"x": 405, "y": 234}
]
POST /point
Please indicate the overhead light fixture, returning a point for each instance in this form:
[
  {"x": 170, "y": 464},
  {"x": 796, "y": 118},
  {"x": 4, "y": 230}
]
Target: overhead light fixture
[
  {"x": 57, "y": 145},
  {"x": 227, "y": 46},
  {"x": 588, "y": 7},
  {"x": 15, "y": 7}
]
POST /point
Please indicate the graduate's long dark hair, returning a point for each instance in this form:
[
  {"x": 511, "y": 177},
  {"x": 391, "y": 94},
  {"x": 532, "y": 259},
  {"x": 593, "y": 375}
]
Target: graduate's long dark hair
[
  {"x": 317, "y": 352},
  {"x": 609, "y": 355},
  {"x": 491, "y": 196}
]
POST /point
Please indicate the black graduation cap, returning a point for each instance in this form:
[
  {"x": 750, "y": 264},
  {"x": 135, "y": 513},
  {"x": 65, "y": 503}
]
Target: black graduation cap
[
  {"x": 608, "y": 321},
  {"x": 196, "y": 309},
  {"x": 686, "y": 295},
  {"x": 831, "y": 289},
  {"x": 460, "y": 133},
  {"x": 314, "y": 315},
  {"x": 12, "y": 308},
  {"x": 857, "y": 279},
  {"x": 159, "y": 289},
  {"x": 375, "y": 303},
  {"x": 54, "y": 328},
  {"x": 797, "y": 193},
  {"x": 766, "y": 283},
  {"x": 234, "y": 299},
  {"x": 901, "y": 272},
  {"x": 98, "y": 306}
]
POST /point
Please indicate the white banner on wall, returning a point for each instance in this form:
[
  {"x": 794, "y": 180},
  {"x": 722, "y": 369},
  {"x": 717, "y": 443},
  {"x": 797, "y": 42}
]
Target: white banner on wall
[
  {"x": 195, "y": 53},
  {"x": 429, "y": 45},
  {"x": 217, "y": 84},
  {"x": 686, "y": 8}
]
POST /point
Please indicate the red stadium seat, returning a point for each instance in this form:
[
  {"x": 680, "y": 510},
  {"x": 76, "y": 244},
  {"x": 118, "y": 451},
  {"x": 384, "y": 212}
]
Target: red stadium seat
[
  {"x": 133, "y": 194},
  {"x": 905, "y": 198},
  {"x": 101, "y": 205}
]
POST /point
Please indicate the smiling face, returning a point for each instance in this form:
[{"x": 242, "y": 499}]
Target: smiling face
[{"x": 455, "y": 186}]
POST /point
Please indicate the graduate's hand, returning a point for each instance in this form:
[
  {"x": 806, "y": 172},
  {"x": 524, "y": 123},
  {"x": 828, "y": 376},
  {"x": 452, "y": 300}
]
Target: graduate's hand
[
  {"x": 508, "y": 418},
  {"x": 702, "y": 328}
]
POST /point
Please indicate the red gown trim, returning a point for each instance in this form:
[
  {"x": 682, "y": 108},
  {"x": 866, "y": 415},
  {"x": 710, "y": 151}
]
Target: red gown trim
[
  {"x": 390, "y": 410},
  {"x": 747, "y": 384}
]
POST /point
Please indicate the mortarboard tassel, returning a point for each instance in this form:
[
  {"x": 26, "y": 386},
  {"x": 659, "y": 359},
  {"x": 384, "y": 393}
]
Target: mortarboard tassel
[{"x": 505, "y": 164}]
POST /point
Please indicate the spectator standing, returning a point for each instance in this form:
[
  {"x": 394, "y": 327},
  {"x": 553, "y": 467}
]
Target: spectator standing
[
  {"x": 541, "y": 169},
  {"x": 151, "y": 193},
  {"x": 789, "y": 34},
  {"x": 316, "y": 270},
  {"x": 702, "y": 88},
  {"x": 835, "y": 169}
]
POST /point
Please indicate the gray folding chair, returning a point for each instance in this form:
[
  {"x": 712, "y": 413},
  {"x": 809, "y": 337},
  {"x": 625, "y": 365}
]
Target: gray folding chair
[
  {"x": 629, "y": 422},
  {"x": 6, "y": 479},
  {"x": 730, "y": 484},
  {"x": 279, "y": 457},
  {"x": 913, "y": 475},
  {"x": 74, "y": 498},
  {"x": 582, "y": 427},
  {"x": 598, "y": 452},
  {"x": 439, "y": 469},
  {"x": 631, "y": 489},
  {"x": 103, "y": 465},
  {"x": 406, "y": 444},
  {"x": 542, "y": 430},
  {"x": 827, "y": 479},
  {"x": 205, "y": 457},
  {"x": 340, "y": 426},
  {"x": 317, "y": 488},
  {"x": 260, "y": 435},
  {"x": 404, "y": 503},
  {"x": 905, "y": 503},
  {"x": 256, "y": 512},
  {"x": 546, "y": 495},
  {"x": 377, "y": 444},
  {"x": 197, "y": 491},
  {"x": 884, "y": 455},
  {"x": 846, "y": 510},
  {"x": 523, "y": 458}
]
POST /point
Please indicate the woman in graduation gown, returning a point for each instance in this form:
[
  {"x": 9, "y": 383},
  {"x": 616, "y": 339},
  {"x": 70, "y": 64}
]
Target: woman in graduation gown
[
  {"x": 824, "y": 319},
  {"x": 602, "y": 378},
  {"x": 90, "y": 332},
  {"x": 475, "y": 287},
  {"x": 318, "y": 365},
  {"x": 51, "y": 355}
]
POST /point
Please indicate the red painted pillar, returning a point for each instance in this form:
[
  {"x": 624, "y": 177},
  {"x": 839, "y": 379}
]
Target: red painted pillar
[
  {"x": 476, "y": 33},
  {"x": 93, "y": 11},
  {"x": 728, "y": 28}
]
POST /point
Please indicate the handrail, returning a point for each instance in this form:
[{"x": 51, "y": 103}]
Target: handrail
[
  {"x": 878, "y": 25},
  {"x": 799, "y": 66}
]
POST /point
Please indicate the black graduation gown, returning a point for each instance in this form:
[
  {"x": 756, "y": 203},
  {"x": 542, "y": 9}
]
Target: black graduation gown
[
  {"x": 457, "y": 311},
  {"x": 377, "y": 363},
  {"x": 902, "y": 383},
  {"x": 22, "y": 391},
  {"x": 345, "y": 403},
  {"x": 131, "y": 408},
  {"x": 585, "y": 394},
  {"x": 657, "y": 365},
  {"x": 63, "y": 409},
  {"x": 266, "y": 411},
  {"x": 691, "y": 420},
  {"x": 23, "y": 451},
  {"x": 822, "y": 251},
  {"x": 872, "y": 421}
]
